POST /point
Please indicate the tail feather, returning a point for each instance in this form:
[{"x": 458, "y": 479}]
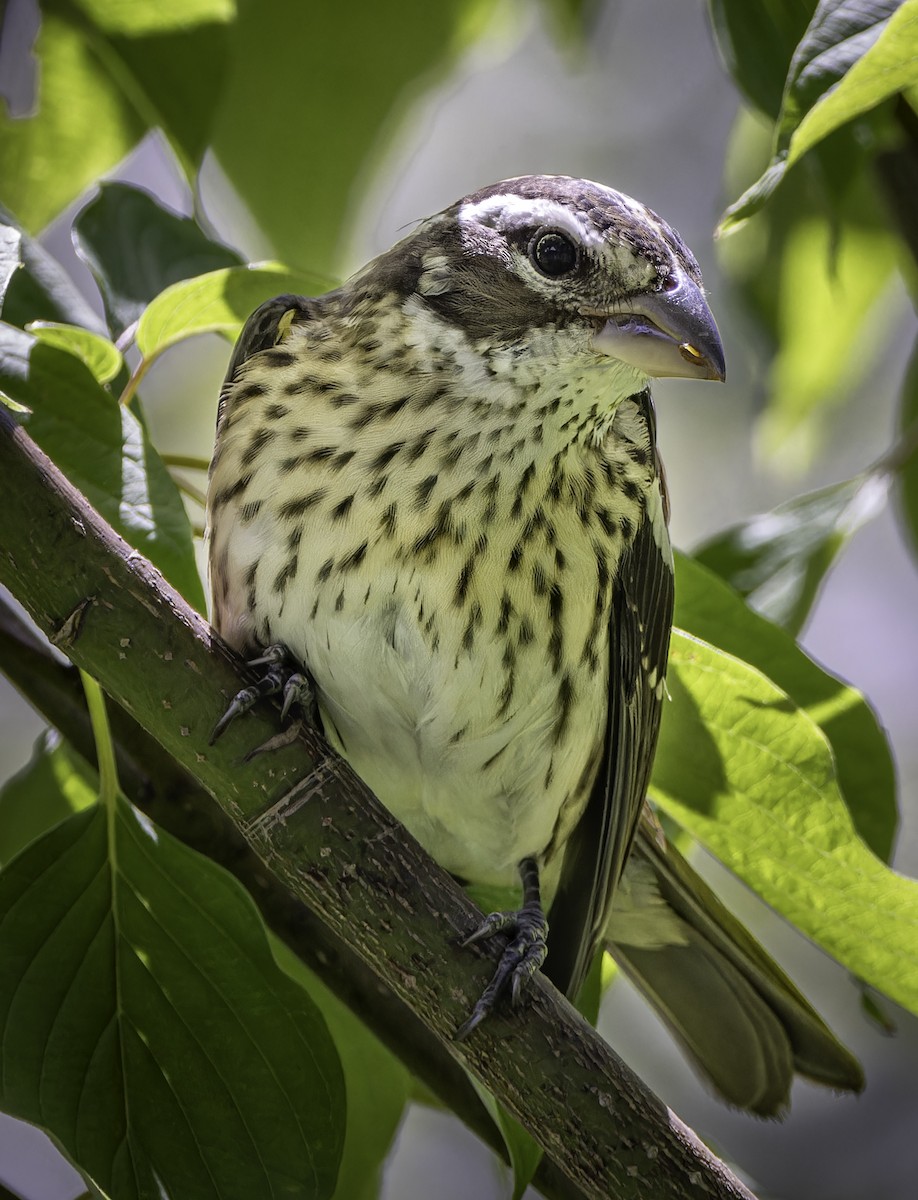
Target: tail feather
[{"x": 741, "y": 1020}]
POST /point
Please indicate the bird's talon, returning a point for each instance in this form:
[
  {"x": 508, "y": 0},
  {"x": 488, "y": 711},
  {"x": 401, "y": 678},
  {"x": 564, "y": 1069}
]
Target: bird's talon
[
  {"x": 281, "y": 676},
  {"x": 521, "y": 957},
  {"x": 495, "y": 922},
  {"x": 298, "y": 690}
]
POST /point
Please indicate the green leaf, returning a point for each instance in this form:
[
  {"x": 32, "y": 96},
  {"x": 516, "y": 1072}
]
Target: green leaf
[
  {"x": 138, "y": 17},
  {"x": 53, "y": 785},
  {"x": 167, "y": 63},
  {"x": 709, "y": 609},
  {"x": 854, "y": 55},
  {"x": 83, "y": 127},
  {"x": 219, "y": 302},
  {"x": 778, "y": 560},
  {"x": 299, "y": 156},
  {"x": 751, "y": 776},
  {"x": 136, "y": 247},
  {"x": 10, "y": 259},
  {"x": 42, "y": 290},
  {"x": 104, "y": 451},
  {"x": 757, "y": 41},
  {"x": 907, "y": 473},
  {"x": 524, "y": 1151},
  {"x": 99, "y": 354},
  {"x": 175, "y": 79},
  {"x": 376, "y": 1083},
  {"x": 831, "y": 328},
  {"x": 147, "y": 1027}
]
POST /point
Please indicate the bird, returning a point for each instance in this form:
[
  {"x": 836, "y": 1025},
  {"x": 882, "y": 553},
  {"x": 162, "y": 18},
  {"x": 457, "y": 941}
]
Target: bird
[{"x": 437, "y": 516}]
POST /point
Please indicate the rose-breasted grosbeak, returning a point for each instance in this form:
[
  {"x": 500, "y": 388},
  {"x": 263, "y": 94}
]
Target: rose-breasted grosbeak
[{"x": 437, "y": 489}]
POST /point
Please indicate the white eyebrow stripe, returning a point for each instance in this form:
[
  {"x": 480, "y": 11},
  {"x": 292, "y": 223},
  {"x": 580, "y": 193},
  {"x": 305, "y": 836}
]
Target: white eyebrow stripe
[{"x": 506, "y": 211}]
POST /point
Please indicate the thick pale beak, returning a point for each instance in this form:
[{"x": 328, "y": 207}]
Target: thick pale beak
[{"x": 666, "y": 333}]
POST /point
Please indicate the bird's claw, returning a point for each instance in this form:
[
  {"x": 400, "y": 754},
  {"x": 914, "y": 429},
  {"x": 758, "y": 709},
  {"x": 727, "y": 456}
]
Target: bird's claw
[
  {"x": 281, "y": 676},
  {"x": 521, "y": 958}
]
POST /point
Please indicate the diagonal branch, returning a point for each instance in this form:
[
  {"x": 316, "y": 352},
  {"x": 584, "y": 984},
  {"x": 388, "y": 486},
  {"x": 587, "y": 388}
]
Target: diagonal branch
[{"x": 392, "y": 915}]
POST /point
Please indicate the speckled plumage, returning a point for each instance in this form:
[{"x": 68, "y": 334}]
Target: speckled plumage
[{"x": 433, "y": 489}]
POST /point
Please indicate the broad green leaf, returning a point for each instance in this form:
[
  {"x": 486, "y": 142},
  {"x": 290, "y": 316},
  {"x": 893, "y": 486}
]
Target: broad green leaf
[
  {"x": 907, "y": 468},
  {"x": 300, "y": 155},
  {"x": 376, "y": 1083},
  {"x": 752, "y": 777},
  {"x": 708, "y": 608},
  {"x": 136, "y": 247},
  {"x": 778, "y": 560},
  {"x": 219, "y": 302},
  {"x": 138, "y": 17},
  {"x": 854, "y": 55},
  {"x": 168, "y": 66},
  {"x": 831, "y": 329},
  {"x": 42, "y": 290},
  {"x": 146, "y": 1026},
  {"x": 83, "y": 127},
  {"x": 10, "y": 257},
  {"x": 103, "y": 450},
  {"x": 757, "y": 42},
  {"x": 176, "y": 80},
  {"x": 54, "y": 784},
  {"x": 101, "y": 356}
]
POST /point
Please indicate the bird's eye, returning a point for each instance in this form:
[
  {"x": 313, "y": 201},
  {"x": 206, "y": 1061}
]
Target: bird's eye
[{"x": 553, "y": 254}]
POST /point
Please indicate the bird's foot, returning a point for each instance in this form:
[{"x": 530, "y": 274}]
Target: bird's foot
[
  {"x": 521, "y": 957},
  {"x": 281, "y": 677}
]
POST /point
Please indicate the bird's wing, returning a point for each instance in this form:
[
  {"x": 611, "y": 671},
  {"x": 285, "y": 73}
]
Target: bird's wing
[
  {"x": 264, "y": 329},
  {"x": 639, "y": 631}
]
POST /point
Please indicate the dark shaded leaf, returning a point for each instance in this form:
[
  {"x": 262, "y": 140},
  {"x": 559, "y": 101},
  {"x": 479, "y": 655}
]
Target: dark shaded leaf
[
  {"x": 136, "y": 247},
  {"x": 778, "y": 560},
  {"x": 103, "y": 450},
  {"x": 147, "y": 1028},
  {"x": 757, "y": 41},
  {"x": 42, "y": 290},
  {"x": 710, "y": 609},
  {"x": 854, "y": 55},
  {"x": 180, "y": 77}
]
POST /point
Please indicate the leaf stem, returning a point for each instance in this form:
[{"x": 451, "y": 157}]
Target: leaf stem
[
  {"x": 105, "y": 750},
  {"x": 189, "y": 489},
  {"x": 190, "y": 462},
  {"x": 133, "y": 383}
]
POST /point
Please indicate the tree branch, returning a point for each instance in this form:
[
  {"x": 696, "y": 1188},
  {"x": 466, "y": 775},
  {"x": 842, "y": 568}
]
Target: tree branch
[{"x": 389, "y": 914}]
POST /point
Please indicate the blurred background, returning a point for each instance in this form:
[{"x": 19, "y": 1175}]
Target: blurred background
[{"x": 642, "y": 102}]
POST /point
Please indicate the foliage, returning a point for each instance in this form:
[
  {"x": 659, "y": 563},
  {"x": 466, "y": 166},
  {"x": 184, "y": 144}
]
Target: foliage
[{"x": 777, "y": 766}]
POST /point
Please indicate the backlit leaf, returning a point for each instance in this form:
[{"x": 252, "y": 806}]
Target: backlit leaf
[
  {"x": 752, "y": 777},
  {"x": 708, "y": 608}
]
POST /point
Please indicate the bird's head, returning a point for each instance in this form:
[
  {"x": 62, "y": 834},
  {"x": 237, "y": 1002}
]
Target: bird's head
[{"x": 595, "y": 273}]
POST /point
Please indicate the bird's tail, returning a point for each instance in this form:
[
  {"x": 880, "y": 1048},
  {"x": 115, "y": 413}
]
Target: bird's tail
[{"x": 742, "y": 1022}]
